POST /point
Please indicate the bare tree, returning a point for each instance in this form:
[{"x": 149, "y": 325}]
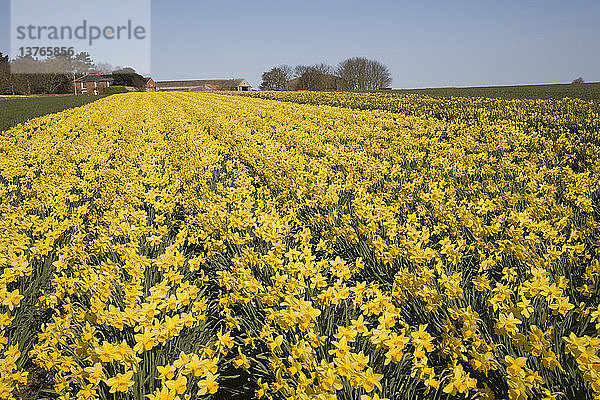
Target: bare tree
[
  {"x": 359, "y": 73},
  {"x": 379, "y": 75},
  {"x": 352, "y": 72},
  {"x": 277, "y": 78},
  {"x": 73, "y": 66},
  {"x": 316, "y": 77},
  {"x": 38, "y": 76},
  {"x": 288, "y": 72},
  {"x": 104, "y": 68},
  {"x": 578, "y": 80}
]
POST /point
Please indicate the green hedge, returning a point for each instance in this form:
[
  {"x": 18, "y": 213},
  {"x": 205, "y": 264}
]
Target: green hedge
[{"x": 114, "y": 90}]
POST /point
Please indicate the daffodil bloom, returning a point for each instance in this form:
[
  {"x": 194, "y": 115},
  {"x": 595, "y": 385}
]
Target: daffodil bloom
[
  {"x": 225, "y": 340},
  {"x": 241, "y": 361},
  {"x": 178, "y": 385},
  {"x": 508, "y": 323},
  {"x": 208, "y": 385},
  {"x": 370, "y": 380},
  {"x": 163, "y": 394},
  {"x": 166, "y": 372},
  {"x": 95, "y": 373},
  {"x": 121, "y": 382}
]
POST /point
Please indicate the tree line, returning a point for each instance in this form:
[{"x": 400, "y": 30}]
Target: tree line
[
  {"x": 55, "y": 74},
  {"x": 356, "y": 73}
]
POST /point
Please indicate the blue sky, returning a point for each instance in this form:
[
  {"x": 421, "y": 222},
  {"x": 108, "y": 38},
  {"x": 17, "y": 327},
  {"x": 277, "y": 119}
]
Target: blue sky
[{"x": 424, "y": 43}]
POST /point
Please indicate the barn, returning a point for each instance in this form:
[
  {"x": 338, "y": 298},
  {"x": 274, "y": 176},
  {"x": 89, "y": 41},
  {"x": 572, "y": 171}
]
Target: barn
[{"x": 203, "y": 85}]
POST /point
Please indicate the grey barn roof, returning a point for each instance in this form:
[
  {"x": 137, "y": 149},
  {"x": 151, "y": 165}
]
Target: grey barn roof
[{"x": 221, "y": 83}]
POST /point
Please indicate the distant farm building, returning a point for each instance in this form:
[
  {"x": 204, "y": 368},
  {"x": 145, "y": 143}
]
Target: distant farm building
[
  {"x": 203, "y": 85},
  {"x": 93, "y": 83},
  {"x": 150, "y": 85}
]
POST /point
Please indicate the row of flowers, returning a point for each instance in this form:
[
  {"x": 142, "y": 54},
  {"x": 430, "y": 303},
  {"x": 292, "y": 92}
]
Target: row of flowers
[{"x": 177, "y": 245}]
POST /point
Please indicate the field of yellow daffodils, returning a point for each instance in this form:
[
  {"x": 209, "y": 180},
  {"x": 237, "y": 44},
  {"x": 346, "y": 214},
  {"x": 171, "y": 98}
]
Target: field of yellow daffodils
[{"x": 208, "y": 246}]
